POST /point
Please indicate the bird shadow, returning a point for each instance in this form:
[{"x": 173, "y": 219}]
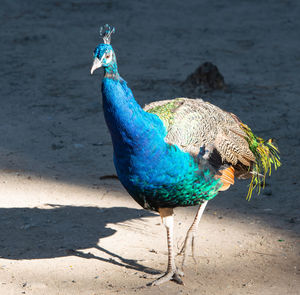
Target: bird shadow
[{"x": 57, "y": 231}]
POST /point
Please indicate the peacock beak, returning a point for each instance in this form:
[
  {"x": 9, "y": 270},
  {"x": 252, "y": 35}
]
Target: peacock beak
[{"x": 96, "y": 64}]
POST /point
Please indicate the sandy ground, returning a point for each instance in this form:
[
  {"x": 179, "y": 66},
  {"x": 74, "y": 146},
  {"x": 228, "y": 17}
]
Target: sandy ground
[{"x": 65, "y": 231}]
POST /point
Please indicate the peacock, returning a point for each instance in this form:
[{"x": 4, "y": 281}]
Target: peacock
[{"x": 176, "y": 153}]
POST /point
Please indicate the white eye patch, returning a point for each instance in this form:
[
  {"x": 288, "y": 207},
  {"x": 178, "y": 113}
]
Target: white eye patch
[{"x": 107, "y": 56}]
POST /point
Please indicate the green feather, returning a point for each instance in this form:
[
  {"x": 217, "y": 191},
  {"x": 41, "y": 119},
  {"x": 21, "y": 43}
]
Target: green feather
[
  {"x": 266, "y": 155},
  {"x": 166, "y": 112}
]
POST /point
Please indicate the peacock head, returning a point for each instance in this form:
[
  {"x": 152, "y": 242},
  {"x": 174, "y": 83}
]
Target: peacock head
[{"x": 104, "y": 55}]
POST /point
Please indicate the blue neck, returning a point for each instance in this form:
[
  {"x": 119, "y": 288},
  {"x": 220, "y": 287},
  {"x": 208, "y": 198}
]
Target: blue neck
[{"x": 131, "y": 128}]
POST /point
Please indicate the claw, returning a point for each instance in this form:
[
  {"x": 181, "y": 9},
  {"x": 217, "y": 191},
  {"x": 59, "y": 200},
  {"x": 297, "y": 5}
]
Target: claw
[
  {"x": 180, "y": 272},
  {"x": 151, "y": 276},
  {"x": 169, "y": 276}
]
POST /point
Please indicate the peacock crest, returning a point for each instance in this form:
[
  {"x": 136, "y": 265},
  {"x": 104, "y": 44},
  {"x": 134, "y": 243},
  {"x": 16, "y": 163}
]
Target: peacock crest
[{"x": 105, "y": 33}]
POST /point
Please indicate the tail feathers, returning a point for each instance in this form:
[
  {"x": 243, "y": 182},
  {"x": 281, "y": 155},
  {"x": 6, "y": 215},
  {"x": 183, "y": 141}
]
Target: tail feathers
[
  {"x": 266, "y": 155},
  {"x": 226, "y": 177}
]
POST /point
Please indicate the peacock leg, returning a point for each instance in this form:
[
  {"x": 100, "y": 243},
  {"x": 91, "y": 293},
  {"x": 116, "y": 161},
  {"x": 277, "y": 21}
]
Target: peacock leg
[
  {"x": 190, "y": 236},
  {"x": 172, "y": 273}
]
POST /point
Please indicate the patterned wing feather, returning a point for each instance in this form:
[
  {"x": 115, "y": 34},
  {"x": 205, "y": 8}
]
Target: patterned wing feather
[{"x": 193, "y": 124}]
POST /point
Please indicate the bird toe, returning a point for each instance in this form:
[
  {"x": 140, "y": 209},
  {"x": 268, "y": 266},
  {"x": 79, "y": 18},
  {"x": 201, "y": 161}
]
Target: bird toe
[{"x": 169, "y": 276}]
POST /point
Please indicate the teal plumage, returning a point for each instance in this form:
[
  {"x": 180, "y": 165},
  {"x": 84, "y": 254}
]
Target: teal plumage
[
  {"x": 173, "y": 153},
  {"x": 155, "y": 173}
]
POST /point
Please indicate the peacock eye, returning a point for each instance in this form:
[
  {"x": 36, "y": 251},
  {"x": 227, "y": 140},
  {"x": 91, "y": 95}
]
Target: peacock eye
[{"x": 107, "y": 56}]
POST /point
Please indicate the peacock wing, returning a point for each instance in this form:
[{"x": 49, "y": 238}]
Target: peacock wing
[
  {"x": 198, "y": 127},
  {"x": 194, "y": 123}
]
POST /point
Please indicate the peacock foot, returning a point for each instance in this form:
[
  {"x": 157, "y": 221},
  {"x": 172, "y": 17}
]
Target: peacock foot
[{"x": 170, "y": 275}]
